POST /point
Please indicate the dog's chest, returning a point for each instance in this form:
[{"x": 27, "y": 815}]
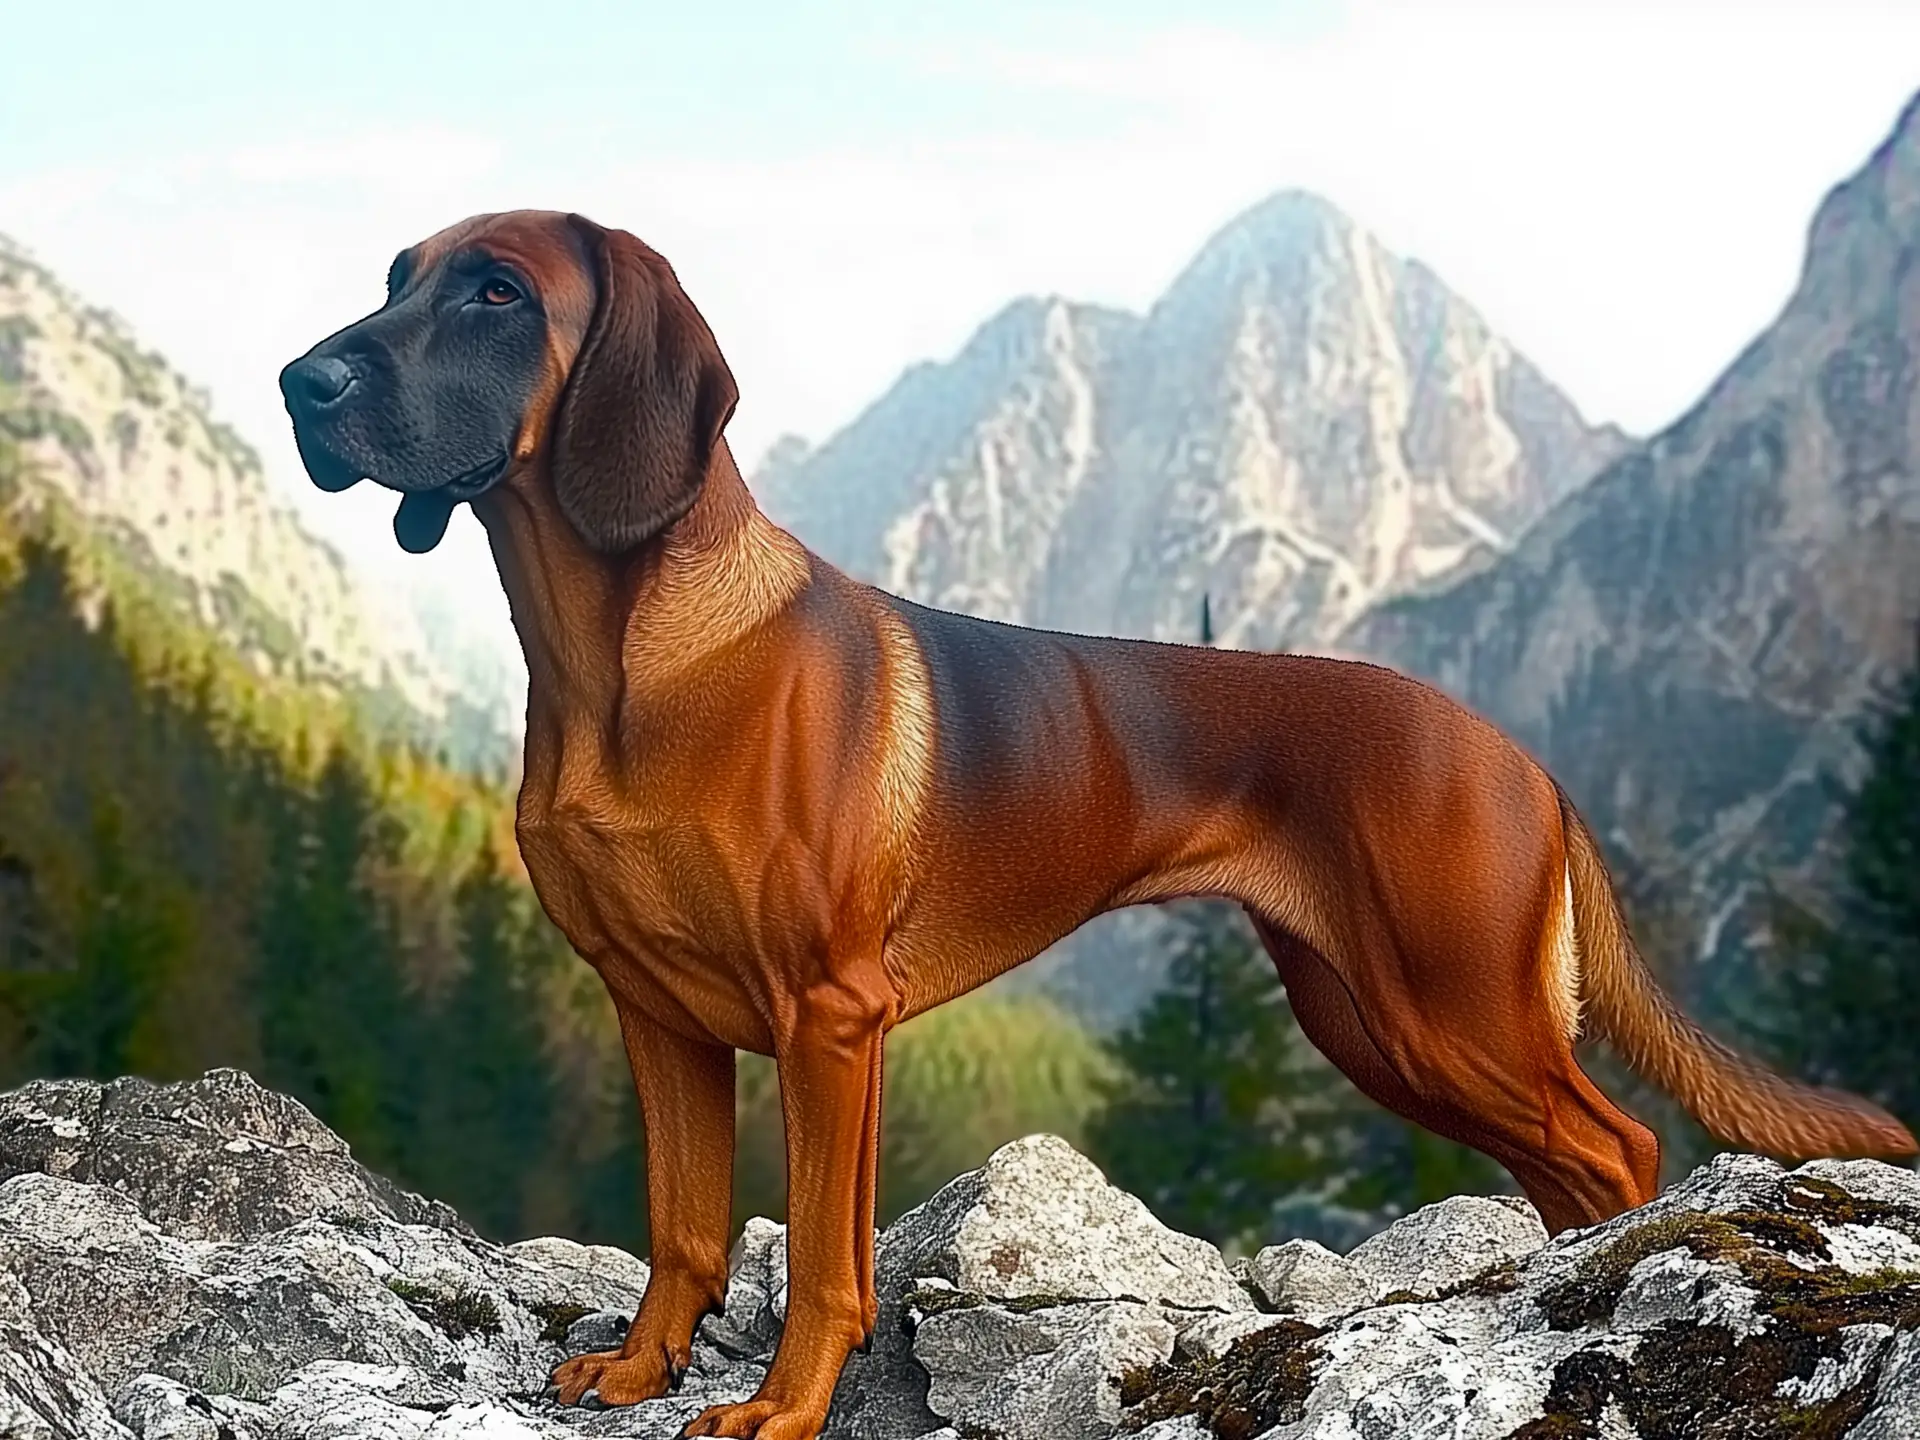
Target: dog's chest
[{"x": 624, "y": 880}]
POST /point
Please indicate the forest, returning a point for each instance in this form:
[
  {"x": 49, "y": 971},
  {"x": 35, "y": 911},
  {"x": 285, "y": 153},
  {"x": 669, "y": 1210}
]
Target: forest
[{"x": 202, "y": 865}]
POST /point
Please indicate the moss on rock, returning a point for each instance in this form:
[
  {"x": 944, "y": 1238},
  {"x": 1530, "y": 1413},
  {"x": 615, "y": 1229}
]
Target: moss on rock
[
  {"x": 1687, "y": 1381},
  {"x": 558, "y": 1319},
  {"x": 458, "y": 1313},
  {"x": 1262, "y": 1380}
]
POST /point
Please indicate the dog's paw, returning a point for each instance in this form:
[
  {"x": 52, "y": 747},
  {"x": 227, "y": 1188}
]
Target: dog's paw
[
  {"x": 607, "y": 1379},
  {"x": 758, "y": 1420}
]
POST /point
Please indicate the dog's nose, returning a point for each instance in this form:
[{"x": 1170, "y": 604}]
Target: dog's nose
[{"x": 315, "y": 381}]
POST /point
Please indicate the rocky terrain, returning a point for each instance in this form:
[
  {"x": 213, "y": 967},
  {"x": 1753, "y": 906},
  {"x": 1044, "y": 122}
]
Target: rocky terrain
[
  {"x": 112, "y": 430},
  {"x": 205, "y": 1261},
  {"x": 1691, "y": 639}
]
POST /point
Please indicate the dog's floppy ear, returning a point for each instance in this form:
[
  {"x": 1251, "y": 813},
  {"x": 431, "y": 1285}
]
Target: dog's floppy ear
[{"x": 644, "y": 403}]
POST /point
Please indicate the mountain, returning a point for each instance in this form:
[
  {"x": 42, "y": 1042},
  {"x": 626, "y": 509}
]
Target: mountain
[
  {"x": 1302, "y": 424},
  {"x": 133, "y": 447},
  {"x": 1691, "y": 640}
]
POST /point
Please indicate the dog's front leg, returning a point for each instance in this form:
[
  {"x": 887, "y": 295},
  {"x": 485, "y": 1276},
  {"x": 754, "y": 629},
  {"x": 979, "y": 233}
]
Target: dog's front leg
[
  {"x": 829, "y": 1058},
  {"x": 686, "y": 1090}
]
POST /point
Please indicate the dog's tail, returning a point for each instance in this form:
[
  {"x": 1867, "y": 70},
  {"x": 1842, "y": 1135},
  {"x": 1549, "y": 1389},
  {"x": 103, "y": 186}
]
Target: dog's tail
[{"x": 1738, "y": 1101}]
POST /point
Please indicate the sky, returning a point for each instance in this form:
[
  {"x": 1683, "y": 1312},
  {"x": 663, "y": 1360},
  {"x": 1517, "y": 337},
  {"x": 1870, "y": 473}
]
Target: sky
[{"x": 1622, "y": 188}]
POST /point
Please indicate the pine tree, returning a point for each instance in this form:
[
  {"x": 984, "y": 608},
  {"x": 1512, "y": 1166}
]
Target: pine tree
[
  {"x": 336, "y": 1021},
  {"x": 1223, "y": 1111},
  {"x": 487, "y": 1097},
  {"x": 1846, "y": 984}
]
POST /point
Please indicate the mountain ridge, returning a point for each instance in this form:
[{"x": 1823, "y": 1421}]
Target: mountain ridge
[
  {"x": 1288, "y": 305},
  {"x": 137, "y": 449}
]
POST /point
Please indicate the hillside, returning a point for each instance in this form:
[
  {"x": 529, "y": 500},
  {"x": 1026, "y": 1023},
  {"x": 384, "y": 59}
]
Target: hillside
[
  {"x": 176, "y": 496},
  {"x": 1691, "y": 640}
]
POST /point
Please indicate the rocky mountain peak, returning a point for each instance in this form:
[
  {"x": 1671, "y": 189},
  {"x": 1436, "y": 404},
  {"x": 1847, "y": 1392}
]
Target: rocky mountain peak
[
  {"x": 1290, "y": 237},
  {"x": 1302, "y": 423},
  {"x": 1691, "y": 640}
]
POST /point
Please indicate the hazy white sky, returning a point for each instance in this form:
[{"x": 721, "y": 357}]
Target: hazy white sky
[{"x": 1622, "y": 188}]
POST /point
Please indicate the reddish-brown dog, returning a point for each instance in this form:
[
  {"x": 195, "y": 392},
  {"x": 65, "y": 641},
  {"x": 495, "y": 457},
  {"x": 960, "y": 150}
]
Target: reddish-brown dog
[{"x": 781, "y": 811}]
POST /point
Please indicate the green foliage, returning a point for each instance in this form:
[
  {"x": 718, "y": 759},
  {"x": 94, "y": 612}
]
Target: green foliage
[
  {"x": 493, "y": 1091},
  {"x": 201, "y": 865},
  {"x": 37, "y": 422},
  {"x": 958, "y": 1082},
  {"x": 334, "y": 1013},
  {"x": 1845, "y": 987},
  {"x": 257, "y": 660}
]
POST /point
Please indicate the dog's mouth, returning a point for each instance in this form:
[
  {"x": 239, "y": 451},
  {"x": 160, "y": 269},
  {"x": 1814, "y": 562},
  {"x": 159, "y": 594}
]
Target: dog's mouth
[{"x": 421, "y": 521}]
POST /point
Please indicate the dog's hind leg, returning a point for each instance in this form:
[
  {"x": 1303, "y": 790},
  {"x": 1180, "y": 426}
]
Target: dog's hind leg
[
  {"x": 866, "y": 1201},
  {"x": 1479, "y": 1054}
]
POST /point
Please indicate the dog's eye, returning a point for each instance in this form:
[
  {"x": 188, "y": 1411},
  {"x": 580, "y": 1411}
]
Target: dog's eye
[{"x": 498, "y": 292}]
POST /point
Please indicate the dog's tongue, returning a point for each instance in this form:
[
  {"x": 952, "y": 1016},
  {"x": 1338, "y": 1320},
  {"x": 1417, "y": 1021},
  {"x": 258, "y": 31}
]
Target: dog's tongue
[{"x": 421, "y": 520}]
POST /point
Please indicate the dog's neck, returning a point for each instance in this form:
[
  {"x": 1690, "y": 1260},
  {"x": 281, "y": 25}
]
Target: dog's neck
[{"x": 603, "y": 635}]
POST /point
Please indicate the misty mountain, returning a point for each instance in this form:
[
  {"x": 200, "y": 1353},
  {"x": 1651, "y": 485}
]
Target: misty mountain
[
  {"x": 1691, "y": 639},
  {"x": 1302, "y": 424},
  {"x": 133, "y": 447}
]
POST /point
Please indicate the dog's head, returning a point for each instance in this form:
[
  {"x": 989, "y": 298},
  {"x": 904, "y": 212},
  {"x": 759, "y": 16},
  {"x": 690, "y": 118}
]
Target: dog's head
[{"x": 510, "y": 343}]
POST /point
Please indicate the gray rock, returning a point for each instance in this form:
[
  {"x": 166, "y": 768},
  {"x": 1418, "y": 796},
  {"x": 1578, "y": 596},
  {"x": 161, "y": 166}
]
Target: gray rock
[
  {"x": 756, "y": 1294},
  {"x": 1051, "y": 1374},
  {"x": 1874, "y": 1180},
  {"x": 217, "y": 1158},
  {"x": 1676, "y": 1285},
  {"x": 1427, "y": 1372},
  {"x": 1896, "y": 1410},
  {"x": 1304, "y": 1278},
  {"x": 1012, "y": 1303},
  {"x": 1212, "y": 1337},
  {"x": 1183, "y": 1427},
  {"x": 129, "y": 1299},
  {"x": 1448, "y": 1242},
  {"x": 602, "y": 1330},
  {"x": 156, "y": 1408},
  {"x": 45, "y": 1393},
  {"x": 1039, "y": 1219}
]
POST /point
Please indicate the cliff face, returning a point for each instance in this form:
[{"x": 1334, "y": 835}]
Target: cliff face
[
  {"x": 1691, "y": 640},
  {"x": 134, "y": 448},
  {"x": 1303, "y": 423}
]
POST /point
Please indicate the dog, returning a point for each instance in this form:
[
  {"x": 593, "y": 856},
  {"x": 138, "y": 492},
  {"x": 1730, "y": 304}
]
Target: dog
[{"x": 782, "y": 811}]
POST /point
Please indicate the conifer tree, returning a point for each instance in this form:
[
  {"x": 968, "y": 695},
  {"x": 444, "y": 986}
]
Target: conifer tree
[
  {"x": 487, "y": 1097},
  {"x": 1845, "y": 984},
  {"x": 1223, "y": 1111},
  {"x": 335, "y": 1016}
]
